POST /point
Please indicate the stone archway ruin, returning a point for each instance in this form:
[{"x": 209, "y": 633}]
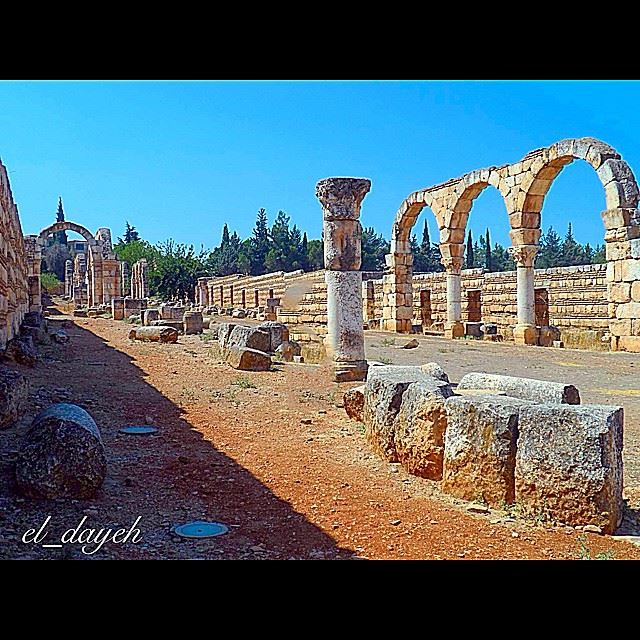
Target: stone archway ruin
[
  {"x": 523, "y": 186},
  {"x": 96, "y": 280}
]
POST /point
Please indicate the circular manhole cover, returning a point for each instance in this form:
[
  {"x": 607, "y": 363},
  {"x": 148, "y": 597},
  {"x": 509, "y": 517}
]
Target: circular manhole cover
[
  {"x": 200, "y": 529},
  {"x": 138, "y": 430}
]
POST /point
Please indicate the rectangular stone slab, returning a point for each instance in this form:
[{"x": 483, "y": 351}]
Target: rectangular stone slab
[
  {"x": 569, "y": 464},
  {"x": 523, "y": 388},
  {"x": 480, "y": 448}
]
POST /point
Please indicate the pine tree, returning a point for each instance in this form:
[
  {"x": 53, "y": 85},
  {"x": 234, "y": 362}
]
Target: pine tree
[
  {"x": 259, "y": 243},
  {"x": 550, "y": 252},
  {"x": 469, "y": 256},
  {"x": 304, "y": 250},
  {"x": 426, "y": 241},
  {"x": 572, "y": 251},
  {"x": 487, "y": 256},
  {"x": 130, "y": 234},
  {"x": 225, "y": 235},
  {"x": 60, "y": 237}
]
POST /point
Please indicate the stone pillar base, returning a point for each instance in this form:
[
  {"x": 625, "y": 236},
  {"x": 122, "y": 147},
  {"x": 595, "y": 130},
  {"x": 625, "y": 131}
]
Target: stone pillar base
[
  {"x": 525, "y": 334},
  {"x": 453, "y": 330},
  {"x": 396, "y": 325},
  {"x": 350, "y": 371}
]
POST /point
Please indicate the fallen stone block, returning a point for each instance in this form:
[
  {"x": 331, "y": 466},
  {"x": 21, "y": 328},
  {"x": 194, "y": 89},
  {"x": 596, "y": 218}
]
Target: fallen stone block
[
  {"x": 353, "y": 401},
  {"x": 33, "y": 319},
  {"x": 382, "y": 399},
  {"x": 22, "y": 350},
  {"x": 37, "y": 334},
  {"x": 523, "y": 388},
  {"x": 434, "y": 370},
  {"x": 80, "y": 313},
  {"x": 192, "y": 322},
  {"x": 569, "y": 464},
  {"x": 154, "y": 334},
  {"x": 412, "y": 344},
  {"x": 224, "y": 331},
  {"x": 62, "y": 455},
  {"x": 247, "y": 359},
  {"x": 149, "y": 316},
  {"x": 14, "y": 390},
  {"x": 278, "y": 332},
  {"x": 480, "y": 448},
  {"x": 288, "y": 350},
  {"x": 239, "y": 313},
  {"x": 174, "y": 324},
  {"x": 548, "y": 335},
  {"x": 420, "y": 429},
  {"x": 247, "y": 338}
]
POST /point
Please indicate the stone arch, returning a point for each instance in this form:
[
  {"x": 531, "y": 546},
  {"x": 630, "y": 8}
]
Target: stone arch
[
  {"x": 523, "y": 186},
  {"x": 620, "y": 186},
  {"x": 66, "y": 226}
]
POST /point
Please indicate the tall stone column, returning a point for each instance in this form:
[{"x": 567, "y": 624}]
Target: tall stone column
[
  {"x": 68, "y": 278},
  {"x": 453, "y": 327},
  {"x": 341, "y": 199},
  {"x": 525, "y": 331}
]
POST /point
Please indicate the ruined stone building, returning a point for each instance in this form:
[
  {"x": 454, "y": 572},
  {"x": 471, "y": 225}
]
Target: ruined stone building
[
  {"x": 17, "y": 289},
  {"x": 589, "y": 306}
]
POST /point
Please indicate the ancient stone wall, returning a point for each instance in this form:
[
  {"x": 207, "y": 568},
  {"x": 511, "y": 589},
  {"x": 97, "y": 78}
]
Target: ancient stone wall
[
  {"x": 14, "y": 267},
  {"x": 523, "y": 185}
]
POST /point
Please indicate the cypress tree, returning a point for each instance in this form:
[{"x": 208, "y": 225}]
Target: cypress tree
[
  {"x": 469, "y": 251},
  {"x": 487, "y": 256}
]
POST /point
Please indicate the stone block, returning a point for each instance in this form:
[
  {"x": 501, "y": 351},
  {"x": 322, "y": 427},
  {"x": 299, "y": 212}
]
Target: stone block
[
  {"x": 620, "y": 292},
  {"x": 569, "y": 464},
  {"x": 453, "y": 330},
  {"x": 524, "y": 334},
  {"x": 629, "y": 343},
  {"x": 160, "y": 334},
  {"x": 246, "y": 359},
  {"x": 421, "y": 424},
  {"x": 615, "y": 218},
  {"x": 434, "y": 370},
  {"x": 628, "y": 310},
  {"x": 480, "y": 448},
  {"x": 620, "y": 327},
  {"x": 523, "y": 388},
  {"x": 618, "y": 250},
  {"x": 353, "y": 401},
  {"x": 14, "y": 391}
]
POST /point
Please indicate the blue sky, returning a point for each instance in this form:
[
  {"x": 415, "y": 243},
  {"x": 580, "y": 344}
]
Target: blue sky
[{"x": 179, "y": 159}]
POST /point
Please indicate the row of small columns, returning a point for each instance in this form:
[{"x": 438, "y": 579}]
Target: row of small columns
[{"x": 243, "y": 297}]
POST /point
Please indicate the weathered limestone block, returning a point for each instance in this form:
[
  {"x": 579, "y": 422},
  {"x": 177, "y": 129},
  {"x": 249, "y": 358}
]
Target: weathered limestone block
[
  {"x": 420, "y": 428},
  {"x": 523, "y": 388},
  {"x": 247, "y": 359},
  {"x": 548, "y": 335},
  {"x": 37, "y": 334},
  {"x": 224, "y": 331},
  {"x": 278, "y": 333},
  {"x": 149, "y": 316},
  {"x": 192, "y": 322},
  {"x": 353, "y": 401},
  {"x": 434, "y": 370},
  {"x": 22, "y": 350},
  {"x": 480, "y": 448},
  {"x": 629, "y": 270},
  {"x": 569, "y": 464},
  {"x": 154, "y": 334},
  {"x": 287, "y": 350},
  {"x": 247, "y": 337},
  {"x": 117, "y": 308},
  {"x": 628, "y": 310},
  {"x": 174, "y": 324},
  {"x": 383, "y": 396},
  {"x": 14, "y": 390},
  {"x": 239, "y": 313},
  {"x": 60, "y": 336},
  {"x": 62, "y": 455}
]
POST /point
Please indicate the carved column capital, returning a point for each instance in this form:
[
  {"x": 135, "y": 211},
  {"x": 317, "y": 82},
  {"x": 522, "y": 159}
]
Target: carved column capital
[
  {"x": 524, "y": 255},
  {"x": 453, "y": 264},
  {"x": 341, "y": 197}
]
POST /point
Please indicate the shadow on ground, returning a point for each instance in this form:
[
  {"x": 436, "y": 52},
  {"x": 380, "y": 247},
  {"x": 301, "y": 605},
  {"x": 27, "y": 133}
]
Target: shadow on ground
[{"x": 170, "y": 478}]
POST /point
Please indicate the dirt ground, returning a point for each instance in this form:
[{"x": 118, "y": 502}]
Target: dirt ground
[{"x": 274, "y": 456}]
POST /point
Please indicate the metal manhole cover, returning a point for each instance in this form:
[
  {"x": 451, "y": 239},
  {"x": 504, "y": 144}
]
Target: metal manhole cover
[
  {"x": 137, "y": 430},
  {"x": 200, "y": 529}
]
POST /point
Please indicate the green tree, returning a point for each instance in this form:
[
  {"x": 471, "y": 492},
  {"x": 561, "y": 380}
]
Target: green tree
[
  {"x": 599, "y": 255},
  {"x": 177, "y": 269},
  {"x": 259, "y": 243},
  {"x": 315, "y": 255},
  {"x": 305, "y": 252},
  {"x": 572, "y": 252},
  {"x": 469, "y": 252},
  {"x": 550, "y": 252},
  {"x": 130, "y": 234},
  {"x": 487, "y": 248},
  {"x": 60, "y": 237},
  {"x": 277, "y": 258},
  {"x": 374, "y": 249}
]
